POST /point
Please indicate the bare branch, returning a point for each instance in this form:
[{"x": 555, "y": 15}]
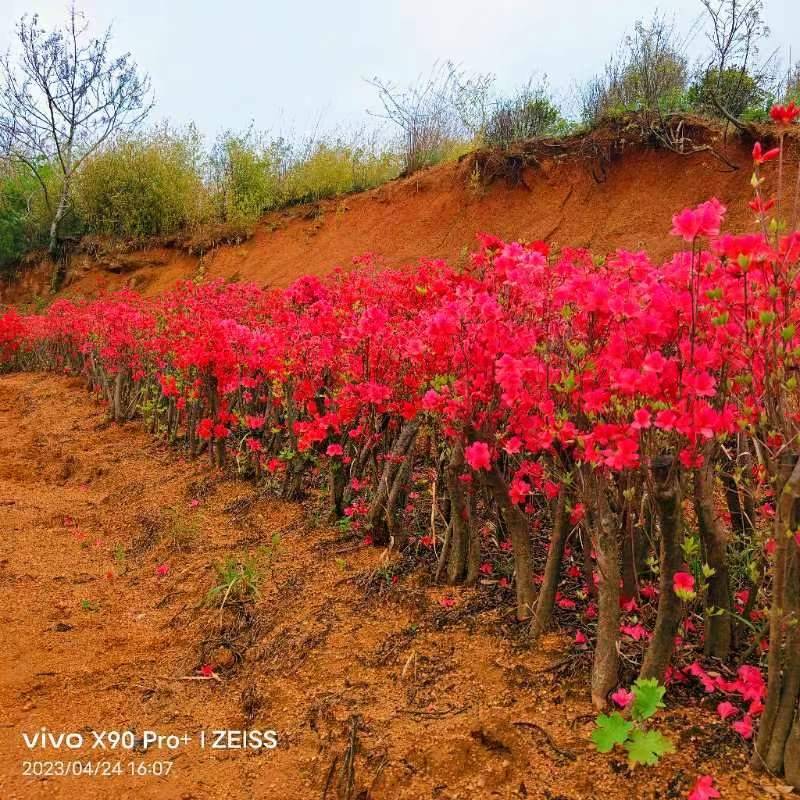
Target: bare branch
[{"x": 61, "y": 98}]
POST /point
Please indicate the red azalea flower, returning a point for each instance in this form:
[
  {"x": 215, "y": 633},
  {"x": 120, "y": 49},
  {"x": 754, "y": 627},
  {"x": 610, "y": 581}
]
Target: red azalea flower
[
  {"x": 478, "y": 455},
  {"x": 683, "y": 585},
  {"x": 744, "y": 727},
  {"x": 761, "y": 206},
  {"x": 622, "y": 698},
  {"x": 704, "y": 789},
  {"x": 760, "y": 157},
  {"x": 785, "y": 115}
]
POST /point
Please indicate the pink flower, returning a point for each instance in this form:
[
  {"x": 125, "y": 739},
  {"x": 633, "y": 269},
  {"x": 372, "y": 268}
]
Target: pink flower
[
  {"x": 756, "y": 708},
  {"x": 564, "y": 602},
  {"x": 580, "y": 638},
  {"x": 726, "y": 709},
  {"x": 486, "y": 568},
  {"x": 636, "y": 632},
  {"x": 703, "y": 789},
  {"x": 206, "y": 671},
  {"x": 221, "y": 432},
  {"x": 703, "y": 220},
  {"x": 744, "y": 727},
  {"x": 628, "y": 606},
  {"x": 205, "y": 428},
  {"x": 622, "y": 697},
  {"x": 447, "y": 602},
  {"x": 334, "y": 450},
  {"x": 478, "y": 455},
  {"x": 577, "y": 513},
  {"x": 683, "y": 585},
  {"x": 162, "y": 570}
]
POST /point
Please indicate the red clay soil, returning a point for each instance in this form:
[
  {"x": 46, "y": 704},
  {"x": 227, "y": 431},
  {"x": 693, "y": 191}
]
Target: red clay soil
[
  {"x": 570, "y": 200},
  {"x": 369, "y": 685}
]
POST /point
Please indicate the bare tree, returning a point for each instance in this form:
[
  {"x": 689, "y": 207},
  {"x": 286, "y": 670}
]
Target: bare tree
[
  {"x": 734, "y": 76},
  {"x": 435, "y": 112},
  {"x": 61, "y": 97},
  {"x": 648, "y": 74}
]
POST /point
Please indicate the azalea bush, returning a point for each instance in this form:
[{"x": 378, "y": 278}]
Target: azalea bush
[{"x": 612, "y": 442}]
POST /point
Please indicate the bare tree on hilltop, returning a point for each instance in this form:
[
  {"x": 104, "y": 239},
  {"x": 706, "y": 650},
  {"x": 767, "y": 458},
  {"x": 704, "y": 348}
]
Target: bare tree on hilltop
[{"x": 62, "y": 95}]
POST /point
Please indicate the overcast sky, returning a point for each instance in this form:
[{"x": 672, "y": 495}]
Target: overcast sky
[{"x": 286, "y": 65}]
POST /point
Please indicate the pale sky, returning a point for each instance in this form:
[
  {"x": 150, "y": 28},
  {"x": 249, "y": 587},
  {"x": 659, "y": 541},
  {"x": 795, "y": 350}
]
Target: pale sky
[{"x": 287, "y": 65}]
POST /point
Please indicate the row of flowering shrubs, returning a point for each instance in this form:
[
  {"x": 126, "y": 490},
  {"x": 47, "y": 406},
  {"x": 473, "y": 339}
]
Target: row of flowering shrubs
[{"x": 642, "y": 416}]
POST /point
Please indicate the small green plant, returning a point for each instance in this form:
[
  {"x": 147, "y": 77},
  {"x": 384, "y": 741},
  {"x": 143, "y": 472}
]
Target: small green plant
[
  {"x": 120, "y": 558},
  {"x": 236, "y": 580},
  {"x": 344, "y": 524},
  {"x": 644, "y": 746},
  {"x": 268, "y": 553},
  {"x": 180, "y": 530},
  {"x": 88, "y": 605}
]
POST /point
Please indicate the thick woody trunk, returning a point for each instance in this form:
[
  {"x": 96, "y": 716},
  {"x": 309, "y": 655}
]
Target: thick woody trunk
[
  {"x": 543, "y": 617},
  {"x": 380, "y": 516},
  {"x": 778, "y": 743},
  {"x": 604, "y": 528},
  {"x": 517, "y": 525},
  {"x": 461, "y": 556},
  {"x": 337, "y": 483},
  {"x": 668, "y": 500},
  {"x": 53, "y": 246},
  {"x": 718, "y": 627}
]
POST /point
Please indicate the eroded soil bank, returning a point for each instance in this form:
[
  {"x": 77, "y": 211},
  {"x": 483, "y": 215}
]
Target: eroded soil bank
[{"x": 375, "y": 689}]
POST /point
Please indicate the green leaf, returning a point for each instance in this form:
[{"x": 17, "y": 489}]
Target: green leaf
[
  {"x": 647, "y": 698},
  {"x": 610, "y": 731},
  {"x": 646, "y": 747}
]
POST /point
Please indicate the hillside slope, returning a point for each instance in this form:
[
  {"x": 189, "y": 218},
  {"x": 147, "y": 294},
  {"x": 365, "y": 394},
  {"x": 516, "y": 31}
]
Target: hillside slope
[
  {"x": 420, "y": 700},
  {"x": 617, "y": 193}
]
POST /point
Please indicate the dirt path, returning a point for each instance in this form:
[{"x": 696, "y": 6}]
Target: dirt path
[{"x": 93, "y": 639}]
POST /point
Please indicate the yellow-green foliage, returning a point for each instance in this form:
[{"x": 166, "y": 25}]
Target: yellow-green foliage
[
  {"x": 24, "y": 212},
  {"x": 147, "y": 185},
  {"x": 332, "y": 168},
  {"x": 245, "y": 177}
]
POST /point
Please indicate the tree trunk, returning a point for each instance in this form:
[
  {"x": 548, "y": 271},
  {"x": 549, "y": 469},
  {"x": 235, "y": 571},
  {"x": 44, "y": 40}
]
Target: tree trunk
[
  {"x": 517, "y": 525},
  {"x": 668, "y": 501},
  {"x": 605, "y": 526},
  {"x": 56, "y": 254},
  {"x": 337, "y": 482},
  {"x": 718, "y": 626},
  {"x": 781, "y": 699},
  {"x": 376, "y": 516},
  {"x": 462, "y": 552},
  {"x": 543, "y": 617}
]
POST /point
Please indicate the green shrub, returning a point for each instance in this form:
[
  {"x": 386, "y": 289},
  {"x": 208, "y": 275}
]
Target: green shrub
[
  {"x": 24, "y": 216},
  {"x": 529, "y": 114},
  {"x": 734, "y": 90},
  {"x": 146, "y": 185},
  {"x": 328, "y": 169},
  {"x": 246, "y": 177},
  {"x": 649, "y": 74}
]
